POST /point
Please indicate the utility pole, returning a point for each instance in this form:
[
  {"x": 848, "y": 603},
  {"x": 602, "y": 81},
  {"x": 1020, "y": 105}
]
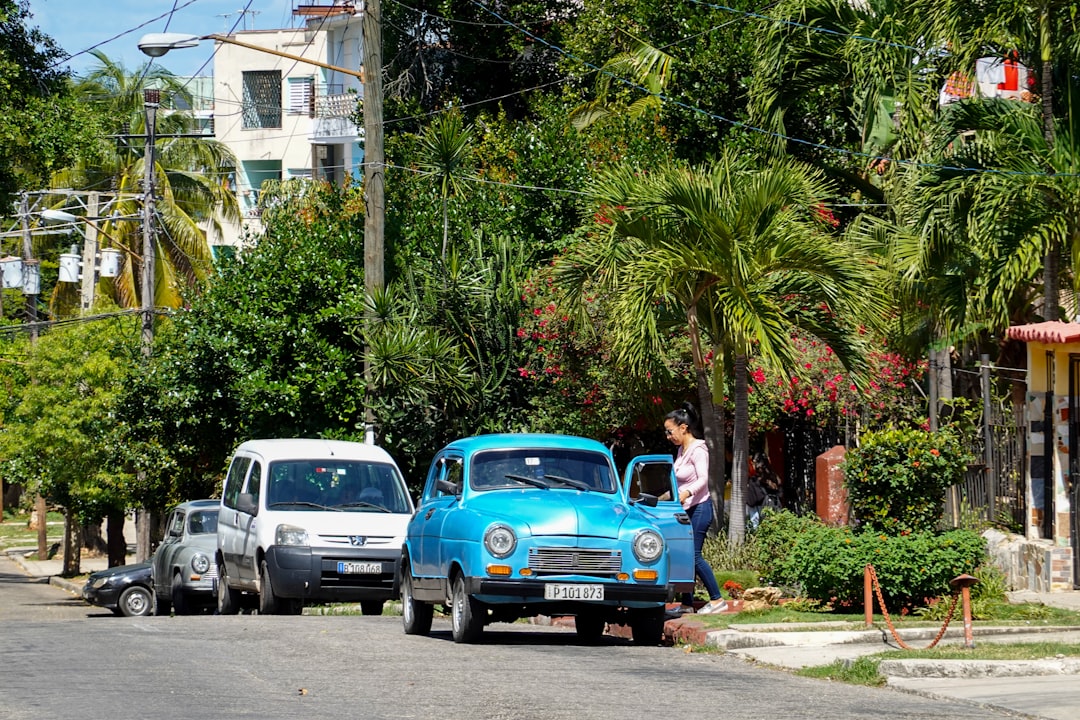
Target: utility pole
[
  {"x": 30, "y": 289},
  {"x": 374, "y": 166},
  {"x": 89, "y": 254},
  {"x": 151, "y": 102}
]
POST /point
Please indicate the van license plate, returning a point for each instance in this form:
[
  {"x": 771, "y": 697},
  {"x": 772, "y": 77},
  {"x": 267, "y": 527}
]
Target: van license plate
[
  {"x": 359, "y": 568},
  {"x": 573, "y": 592}
]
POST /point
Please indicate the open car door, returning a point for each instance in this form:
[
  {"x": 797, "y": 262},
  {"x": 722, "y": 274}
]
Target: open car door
[{"x": 654, "y": 475}]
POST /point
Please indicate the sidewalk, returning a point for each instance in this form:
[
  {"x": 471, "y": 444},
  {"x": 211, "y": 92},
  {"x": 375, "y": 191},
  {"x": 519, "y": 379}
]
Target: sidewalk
[
  {"x": 54, "y": 568},
  {"x": 1048, "y": 688}
]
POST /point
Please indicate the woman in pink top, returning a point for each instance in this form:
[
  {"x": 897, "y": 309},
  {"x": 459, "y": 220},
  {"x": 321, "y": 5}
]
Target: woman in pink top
[{"x": 683, "y": 428}]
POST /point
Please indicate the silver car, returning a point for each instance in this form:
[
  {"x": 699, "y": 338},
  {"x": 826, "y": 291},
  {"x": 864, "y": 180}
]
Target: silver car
[{"x": 184, "y": 571}]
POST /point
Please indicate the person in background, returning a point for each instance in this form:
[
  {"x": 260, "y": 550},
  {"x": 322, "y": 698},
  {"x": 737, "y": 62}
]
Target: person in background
[{"x": 682, "y": 427}]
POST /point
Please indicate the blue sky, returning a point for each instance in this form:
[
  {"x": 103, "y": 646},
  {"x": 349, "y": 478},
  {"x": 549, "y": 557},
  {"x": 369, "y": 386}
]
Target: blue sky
[{"x": 77, "y": 25}]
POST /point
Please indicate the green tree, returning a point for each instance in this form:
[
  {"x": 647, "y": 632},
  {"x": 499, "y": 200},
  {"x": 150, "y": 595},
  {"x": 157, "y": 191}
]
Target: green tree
[
  {"x": 446, "y": 154},
  {"x": 741, "y": 254},
  {"x": 59, "y": 438},
  {"x": 191, "y": 194},
  {"x": 42, "y": 126}
]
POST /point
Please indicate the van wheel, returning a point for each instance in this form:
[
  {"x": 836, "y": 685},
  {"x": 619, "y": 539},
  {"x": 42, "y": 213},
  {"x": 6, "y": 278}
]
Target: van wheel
[
  {"x": 589, "y": 626},
  {"x": 415, "y": 615},
  {"x": 268, "y": 602},
  {"x": 228, "y": 600},
  {"x": 467, "y": 619}
]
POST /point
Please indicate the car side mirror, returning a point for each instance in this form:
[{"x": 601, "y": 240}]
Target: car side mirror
[
  {"x": 246, "y": 504},
  {"x": 645, "y": 499},
  {"x": 445, "y": 486}
]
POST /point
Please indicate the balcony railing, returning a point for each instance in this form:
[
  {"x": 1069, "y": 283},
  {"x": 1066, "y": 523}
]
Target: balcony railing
[{"x": 336, "y": 106}]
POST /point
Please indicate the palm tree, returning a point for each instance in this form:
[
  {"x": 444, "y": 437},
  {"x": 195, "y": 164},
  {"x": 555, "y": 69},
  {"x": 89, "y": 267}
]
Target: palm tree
[
  {"x": 1044, "y": 33},
  {"x": 445, "y": 152},
  {"x": 741, "y": 254},
  {"x": 642, "y": 66},
  {"x": 193, "y": 197}
]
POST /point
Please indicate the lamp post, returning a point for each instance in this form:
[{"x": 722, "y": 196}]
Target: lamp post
[{"x": 151, "y": 103}]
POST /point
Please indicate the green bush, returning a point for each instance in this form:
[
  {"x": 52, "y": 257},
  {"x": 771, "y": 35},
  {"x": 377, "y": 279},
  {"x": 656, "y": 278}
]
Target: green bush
[
  {"x": 776, "y": 536},
  {"x": 827, "y": 563},
  {"x": 896, "y": 479}
]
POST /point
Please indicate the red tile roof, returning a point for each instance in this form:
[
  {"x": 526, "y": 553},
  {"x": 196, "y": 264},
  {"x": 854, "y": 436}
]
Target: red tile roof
[{"x": 1046, "y": 332}]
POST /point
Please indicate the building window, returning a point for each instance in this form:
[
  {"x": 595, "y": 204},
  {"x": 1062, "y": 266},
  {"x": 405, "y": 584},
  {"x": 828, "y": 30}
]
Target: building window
[
  {"x": 262, "y": 99},
  {"x": 301, "y": 96}
]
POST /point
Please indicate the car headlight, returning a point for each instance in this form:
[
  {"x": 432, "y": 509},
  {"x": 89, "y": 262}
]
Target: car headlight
[
  {"x": 99, "y": 583},
  {"x": 290, "y": 535},
  {"x": 648, "y": 546},
  {"x": 200, "y": 563},
  {"x": 500, "y": 540}
]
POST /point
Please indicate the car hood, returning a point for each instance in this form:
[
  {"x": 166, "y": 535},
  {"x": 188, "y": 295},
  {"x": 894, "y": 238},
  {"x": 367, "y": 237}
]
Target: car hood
[
  {"x": 133, "y": 570},
  {"x": 555, "y": 512}
]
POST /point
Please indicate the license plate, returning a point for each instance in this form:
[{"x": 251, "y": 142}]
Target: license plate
[
  {"x": 359, "y": 568},
  {"x": 573, "y": 592}
]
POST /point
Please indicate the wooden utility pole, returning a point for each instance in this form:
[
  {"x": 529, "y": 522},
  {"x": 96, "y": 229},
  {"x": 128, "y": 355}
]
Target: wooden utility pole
[
  {"x": 30, "y": 291},
  {"x": 89, "y": 254},
  {"x": 374, "y": 166}
]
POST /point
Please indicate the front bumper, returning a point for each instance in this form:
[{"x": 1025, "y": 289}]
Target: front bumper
[
  {"x": 312, "y": 573},
  {"x": 105, "y": 596},
  {"x": 532, "y": 591}
]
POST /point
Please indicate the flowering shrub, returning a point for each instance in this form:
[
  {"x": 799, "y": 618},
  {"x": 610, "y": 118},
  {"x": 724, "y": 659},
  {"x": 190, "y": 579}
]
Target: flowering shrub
[
  {"x": 733, "y": 589},
  {"x": 819, "y": 390},
  {"x": 896, "y": 479}
]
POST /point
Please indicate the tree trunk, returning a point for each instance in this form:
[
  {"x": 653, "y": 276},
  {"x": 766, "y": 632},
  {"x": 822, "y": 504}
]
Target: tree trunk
[
  {"x": 72, "y": 549},
  {"x": 117, "y": 544},
  {"x": 92, "y": 540},
  {"x": 740, "y": 447},
  {"x": 142, "y": 535},
  {"x": 42, "y": 530},
  {"x": 712, "y": 416},
  {"x": 1050, "y": 260}
]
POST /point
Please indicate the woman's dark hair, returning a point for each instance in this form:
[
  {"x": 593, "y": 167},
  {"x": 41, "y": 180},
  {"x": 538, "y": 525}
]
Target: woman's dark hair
[{"x": 687, "y": 415}]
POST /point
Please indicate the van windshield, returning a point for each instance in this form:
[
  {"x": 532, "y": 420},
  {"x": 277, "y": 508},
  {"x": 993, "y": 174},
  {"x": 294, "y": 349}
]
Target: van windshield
[{"x": 343, "y": 485}]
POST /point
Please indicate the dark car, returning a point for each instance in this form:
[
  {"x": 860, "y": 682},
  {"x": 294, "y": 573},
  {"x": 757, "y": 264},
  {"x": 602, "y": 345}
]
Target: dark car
[{"x": 125, "y": 589}]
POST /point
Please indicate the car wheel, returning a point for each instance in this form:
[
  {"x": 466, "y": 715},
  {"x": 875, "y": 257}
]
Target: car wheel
[
  {"x": 228, "y": 600},
  {"x": 467, "y": 621},
  {"x": 590, "y": 626},
  {"x": 136, "y": 601},
  {"x": 161, "y": 607},
  {"x": 371, "y": 607},
  {"x": 176, "y": 595},
  {"x": 415, "y": 615},
  {"x": 268, "y": 601},
  {"x": 647, "y": 626}
]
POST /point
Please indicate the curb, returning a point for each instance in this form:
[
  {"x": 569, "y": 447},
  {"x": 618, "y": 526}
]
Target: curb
[
  {"x": 977, "y": 668},
  {"x": 67, "y": 585}
]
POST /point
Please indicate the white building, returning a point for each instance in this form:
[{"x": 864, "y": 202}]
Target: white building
[{"x": 283, "y": 118}]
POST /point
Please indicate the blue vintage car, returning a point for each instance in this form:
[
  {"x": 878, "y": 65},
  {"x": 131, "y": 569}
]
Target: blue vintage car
[{"x": 517, "y": 525}]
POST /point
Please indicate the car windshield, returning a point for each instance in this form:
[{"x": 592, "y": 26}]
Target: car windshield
[
  {"x": 202, "y": 522},
  {"x": 345, "y": 485},
  {"x": 542, "y": 467}
]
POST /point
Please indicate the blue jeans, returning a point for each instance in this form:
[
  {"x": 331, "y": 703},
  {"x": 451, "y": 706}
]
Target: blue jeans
[{"x": 701, "y": 517}]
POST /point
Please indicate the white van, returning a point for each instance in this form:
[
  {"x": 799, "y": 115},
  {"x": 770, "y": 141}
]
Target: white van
[{"x": 310, "y": 520}]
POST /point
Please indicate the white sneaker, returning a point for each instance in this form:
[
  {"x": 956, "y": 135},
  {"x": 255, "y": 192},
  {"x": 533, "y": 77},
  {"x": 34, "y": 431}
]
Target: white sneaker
[{"x": 713, "y": 607}]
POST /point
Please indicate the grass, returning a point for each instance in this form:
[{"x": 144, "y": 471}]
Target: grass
[
  {"x": 15, "y": 533},
  {"x": 864, "y": 671}
]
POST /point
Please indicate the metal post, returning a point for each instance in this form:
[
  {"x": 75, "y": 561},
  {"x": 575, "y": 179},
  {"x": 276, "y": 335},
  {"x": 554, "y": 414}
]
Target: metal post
[
  {"x": 89, "y": 254},
  {"x": 933, "y": 381},
  {"x": 868, "y": 596},
  {"x": 988, "y": 440},
  {"x": 374, "y": 166}
]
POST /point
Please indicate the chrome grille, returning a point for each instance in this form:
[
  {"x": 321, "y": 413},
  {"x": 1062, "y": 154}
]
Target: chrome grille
[
  {"x": 212, "y": 573},
  {"x": 575, "y": 561}
]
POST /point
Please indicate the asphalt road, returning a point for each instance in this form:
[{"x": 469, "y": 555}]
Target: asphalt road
[{"x": 59, "y": 658}]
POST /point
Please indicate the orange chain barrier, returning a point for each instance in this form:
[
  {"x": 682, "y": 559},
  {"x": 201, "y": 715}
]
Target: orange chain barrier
[{"x": 888, "y": 620}]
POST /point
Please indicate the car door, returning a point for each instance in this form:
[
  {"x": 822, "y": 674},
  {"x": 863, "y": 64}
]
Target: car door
[
  {"x": 166, "y": 551},
  {"x": 439, "y": 501},
  {"x": 247, "y": 570},
  {"x": 655, "y": 475},
  {"x": 231, "y": 534}
]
